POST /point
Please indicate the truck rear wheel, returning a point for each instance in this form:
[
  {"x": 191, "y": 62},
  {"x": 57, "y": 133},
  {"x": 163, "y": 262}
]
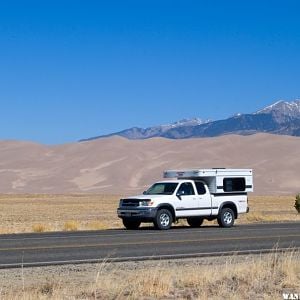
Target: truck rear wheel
[
  {"x": 131, "y": 224},
  {"x": 195, "y": 221},
  {"x": 226, "y": 218},
  {"x": 163, "y": 219}
]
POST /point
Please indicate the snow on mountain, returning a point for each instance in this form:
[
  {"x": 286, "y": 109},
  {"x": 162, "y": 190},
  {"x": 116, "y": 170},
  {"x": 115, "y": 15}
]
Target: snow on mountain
[
  {"x": 184, "y": 122},
  {"x": 281, "y": 110}
]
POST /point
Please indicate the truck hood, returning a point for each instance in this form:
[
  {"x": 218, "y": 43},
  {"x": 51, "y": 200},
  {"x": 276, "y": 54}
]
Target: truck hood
[{"x": 142, "y": 197}]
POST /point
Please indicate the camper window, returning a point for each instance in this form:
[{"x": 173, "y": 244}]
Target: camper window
[{"x": 234, "y": 184}]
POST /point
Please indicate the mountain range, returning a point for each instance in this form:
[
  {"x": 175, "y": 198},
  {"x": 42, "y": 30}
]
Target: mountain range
[{"x": 282, "y": 117}]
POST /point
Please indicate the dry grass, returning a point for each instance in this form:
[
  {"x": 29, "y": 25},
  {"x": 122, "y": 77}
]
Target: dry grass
[
  {"x": 96, "y": 225},
  {"x": 27, "y": 213},
  {"x": 271, "y": 209},
  {"x": 71, "y": 226},
  {"x": 40, "y": 228},
  {"x": 24, "y": 213},
  {"x": 249, "y": 277}
]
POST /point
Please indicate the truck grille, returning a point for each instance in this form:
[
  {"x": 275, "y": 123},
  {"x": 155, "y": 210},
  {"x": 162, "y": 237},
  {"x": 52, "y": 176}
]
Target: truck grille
[{"x": 130, "y": 202}]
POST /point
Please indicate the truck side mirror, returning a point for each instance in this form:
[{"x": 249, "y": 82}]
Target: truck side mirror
[
  {"x": 178, "y": 195},
  {"x": 144, "y": 192}
]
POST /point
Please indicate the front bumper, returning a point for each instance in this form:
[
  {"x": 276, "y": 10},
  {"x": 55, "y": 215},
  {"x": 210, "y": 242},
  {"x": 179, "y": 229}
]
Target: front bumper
[{"x": 142, "y": 213}]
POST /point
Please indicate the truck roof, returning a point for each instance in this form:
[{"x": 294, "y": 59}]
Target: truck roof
[{"x": 175, "y": 180}]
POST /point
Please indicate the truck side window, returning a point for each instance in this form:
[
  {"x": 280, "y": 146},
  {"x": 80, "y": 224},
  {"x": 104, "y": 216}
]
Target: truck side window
[
  {"x": 186, "y": 188},
  {"x": 200, "y": 188}
]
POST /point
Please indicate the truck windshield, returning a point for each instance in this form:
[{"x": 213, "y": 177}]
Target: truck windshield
[{"x": 162, "y": 188}]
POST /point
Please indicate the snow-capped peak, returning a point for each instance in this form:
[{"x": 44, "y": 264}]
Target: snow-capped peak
[
  {"x": 283, "y": 108},
  {"x": 188, "y": 122},
  {"x": 185, "y": 122},
  {"x": 236, "y": 115}
]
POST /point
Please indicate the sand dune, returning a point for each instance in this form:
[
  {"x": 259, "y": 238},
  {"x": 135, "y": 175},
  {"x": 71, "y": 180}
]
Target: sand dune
[{"x": 117, "y": 165}]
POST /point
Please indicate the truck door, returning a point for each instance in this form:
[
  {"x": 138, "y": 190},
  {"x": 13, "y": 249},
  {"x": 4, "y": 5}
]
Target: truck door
[
  {"x": 204, "y": 199},
  {"x": 187, "y": 200}
]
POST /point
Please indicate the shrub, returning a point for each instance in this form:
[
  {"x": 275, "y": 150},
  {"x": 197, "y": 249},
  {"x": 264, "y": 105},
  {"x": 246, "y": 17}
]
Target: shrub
[
  {"x": 297, "y": 203},
  {"x": 71, "y": 226},
  {"x": 39, "y": 228}
]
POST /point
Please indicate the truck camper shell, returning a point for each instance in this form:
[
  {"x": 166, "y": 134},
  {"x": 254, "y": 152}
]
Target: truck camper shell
[{"x": 218, "y": 180}]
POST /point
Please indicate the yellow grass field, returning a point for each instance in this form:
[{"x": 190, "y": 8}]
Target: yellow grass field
[
  {"x": 39, "y": 213},
  {"x": 27, "y": 213}
]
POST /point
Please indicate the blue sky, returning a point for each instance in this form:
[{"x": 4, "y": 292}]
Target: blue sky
[{"x": 75, "y": 69}]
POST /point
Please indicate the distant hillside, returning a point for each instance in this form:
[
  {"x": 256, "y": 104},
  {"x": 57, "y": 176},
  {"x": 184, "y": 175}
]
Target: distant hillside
[
  {"x": 121, "y": 166},
  {"x": 279, "y": 118}
]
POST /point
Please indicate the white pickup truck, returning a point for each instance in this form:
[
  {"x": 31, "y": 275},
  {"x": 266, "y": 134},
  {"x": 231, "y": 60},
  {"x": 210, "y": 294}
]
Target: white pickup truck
[{"x": 194, "y": 195}]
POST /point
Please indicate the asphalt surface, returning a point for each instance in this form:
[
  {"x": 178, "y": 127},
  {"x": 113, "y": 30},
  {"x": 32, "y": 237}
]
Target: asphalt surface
[{"x": 123, "y": 245}]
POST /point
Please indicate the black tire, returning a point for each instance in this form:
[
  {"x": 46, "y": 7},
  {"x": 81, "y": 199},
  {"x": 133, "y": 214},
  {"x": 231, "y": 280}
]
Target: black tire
[
  {"x": 195, "y": 221},
  {"x": 226, "y": 218},
  {"x": 163, "y": 219},
  {"x": 131, "y": 224}
]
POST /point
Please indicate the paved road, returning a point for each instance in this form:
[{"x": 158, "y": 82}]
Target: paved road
[{"x": 119, "y": 245}]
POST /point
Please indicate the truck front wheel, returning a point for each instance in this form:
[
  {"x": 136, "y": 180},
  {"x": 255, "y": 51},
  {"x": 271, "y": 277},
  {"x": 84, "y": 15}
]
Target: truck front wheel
[
  {"x": 131, "y": 224},
  {"x": 195, "y": 221},
  {"x": 163, "y": 219},
  {"x": 226, "y": 218}
]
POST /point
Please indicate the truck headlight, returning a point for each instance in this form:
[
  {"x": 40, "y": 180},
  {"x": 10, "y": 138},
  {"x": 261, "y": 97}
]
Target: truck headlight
[{"x": 145, "y": 203}]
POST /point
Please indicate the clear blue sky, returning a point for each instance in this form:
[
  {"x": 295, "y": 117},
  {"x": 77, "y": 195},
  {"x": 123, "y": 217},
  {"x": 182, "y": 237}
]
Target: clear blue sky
[{"x": 75, "y": 69}]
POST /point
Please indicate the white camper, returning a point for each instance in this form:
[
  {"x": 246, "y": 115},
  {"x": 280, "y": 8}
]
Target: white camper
[{"x": 218, "y": 180}]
